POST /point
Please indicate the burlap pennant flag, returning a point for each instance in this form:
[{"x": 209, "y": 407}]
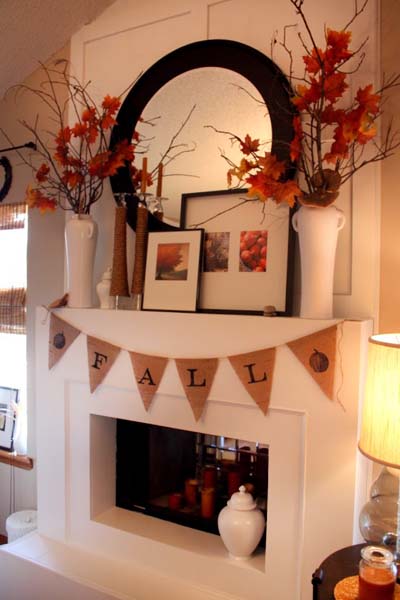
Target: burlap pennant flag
[
  {"x": 256, "y": 370},
  {"x": 197, "y": 376},
  {"x": 148, "y": 372},
  {"x": 61, "y": 336},
  {"x": 101, "y": 357},
  {"x": 317, "y": 353}
]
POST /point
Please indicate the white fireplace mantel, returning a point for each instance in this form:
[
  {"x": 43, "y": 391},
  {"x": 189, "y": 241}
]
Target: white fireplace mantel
[{"x": 317, "y": 479}]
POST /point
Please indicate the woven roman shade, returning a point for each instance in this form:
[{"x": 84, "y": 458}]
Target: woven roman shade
[
  {"x": 12, "y": 216},
  {"x": 13, "y": 310},
  {"x": 13, "y": 299}
]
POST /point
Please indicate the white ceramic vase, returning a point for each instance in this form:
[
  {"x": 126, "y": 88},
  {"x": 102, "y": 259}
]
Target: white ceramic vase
[
  {"x": 318, "y": 230},
  {"x": 81, "y": 240},
  {"x": 241, "y": 525}
]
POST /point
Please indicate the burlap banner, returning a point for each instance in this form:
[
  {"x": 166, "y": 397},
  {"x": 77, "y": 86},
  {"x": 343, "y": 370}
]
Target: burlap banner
[
  {"x": 148, "y": 372},
  {"x": 61, "y": 336},
  {"x": 101, "y": 357},
  {"x": 317, "y": 353},
  {"x": 197, "y": 376},
  {"x": 256, "y": 370}
]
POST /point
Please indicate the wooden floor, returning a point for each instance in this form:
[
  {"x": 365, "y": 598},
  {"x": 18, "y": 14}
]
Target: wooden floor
[{"x": 3, "y": 539}]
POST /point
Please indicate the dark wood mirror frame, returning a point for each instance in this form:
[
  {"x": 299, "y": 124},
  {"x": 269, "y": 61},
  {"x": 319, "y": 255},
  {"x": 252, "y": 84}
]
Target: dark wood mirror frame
[{"x": 261, "y": 71}]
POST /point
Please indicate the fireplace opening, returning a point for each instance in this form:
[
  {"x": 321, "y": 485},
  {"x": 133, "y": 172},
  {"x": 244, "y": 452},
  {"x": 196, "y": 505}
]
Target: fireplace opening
[{"x": 186, "y": 477}]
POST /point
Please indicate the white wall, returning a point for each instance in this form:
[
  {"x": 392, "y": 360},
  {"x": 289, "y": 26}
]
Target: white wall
[
  {"x": 45, "y": 275},
  {"x": 129, "y": 37},
  {"x": 389, "y": 318}
]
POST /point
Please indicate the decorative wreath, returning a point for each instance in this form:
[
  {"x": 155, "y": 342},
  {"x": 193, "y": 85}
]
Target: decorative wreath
[{"x": 5, "y": 163}]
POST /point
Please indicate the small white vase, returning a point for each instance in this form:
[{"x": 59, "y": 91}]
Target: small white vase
[
  {"x": 241, "y": 525},
  {"x": 318, "y": 230},
  {"x": 103, "y": 290},
  {"x": 81, "y": 240}
]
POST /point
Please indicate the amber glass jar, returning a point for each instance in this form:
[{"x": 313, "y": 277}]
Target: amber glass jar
[{"x": 377, "y": 574}]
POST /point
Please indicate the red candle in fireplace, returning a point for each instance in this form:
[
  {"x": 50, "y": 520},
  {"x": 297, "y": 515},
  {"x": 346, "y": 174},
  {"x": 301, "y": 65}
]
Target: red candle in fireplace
[{"x": 175, "y": 501}]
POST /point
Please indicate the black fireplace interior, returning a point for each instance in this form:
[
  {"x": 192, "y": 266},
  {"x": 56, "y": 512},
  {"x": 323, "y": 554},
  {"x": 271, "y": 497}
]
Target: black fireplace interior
[{"x": 183, "y": 476}]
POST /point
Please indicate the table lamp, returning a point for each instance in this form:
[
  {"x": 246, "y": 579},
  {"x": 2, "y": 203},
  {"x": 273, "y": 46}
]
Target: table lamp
[{"x": 380, "y": 427}]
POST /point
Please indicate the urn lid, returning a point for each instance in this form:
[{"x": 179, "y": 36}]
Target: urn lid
[
  {"x": 242, "y": 500},
  {"x": 107, "y": 274}
]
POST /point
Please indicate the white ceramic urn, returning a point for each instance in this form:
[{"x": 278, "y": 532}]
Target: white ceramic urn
[
  {"x": 241, "y": 525},
  {"x": 103, "y": 290}
]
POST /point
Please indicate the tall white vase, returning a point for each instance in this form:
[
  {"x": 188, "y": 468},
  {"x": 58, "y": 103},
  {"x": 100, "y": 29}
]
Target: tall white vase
[
  {"x": 81, "y": 240},
  {"x": 318, "y": 230}
]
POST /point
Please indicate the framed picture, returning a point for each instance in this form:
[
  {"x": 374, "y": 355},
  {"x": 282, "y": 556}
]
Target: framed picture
[
  {"x": 248, "y": 251},
  {"x": 8, "y": 402},
  {"x": 173, "y": 270}
]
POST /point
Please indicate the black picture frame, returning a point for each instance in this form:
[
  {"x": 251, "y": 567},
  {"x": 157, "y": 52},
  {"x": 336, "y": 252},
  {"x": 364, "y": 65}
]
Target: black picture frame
[
  {"x": 231, "y": 211},
  {"x": 171, "y": 292},
  {"x": 9, "y": 398},
  {"x": 260, "y": 70}
]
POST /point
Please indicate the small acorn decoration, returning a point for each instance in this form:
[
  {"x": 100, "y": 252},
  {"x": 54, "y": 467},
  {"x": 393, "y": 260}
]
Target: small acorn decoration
[
  {"x": 59, "y": 341},
  {"x": 319, "y": 361}
]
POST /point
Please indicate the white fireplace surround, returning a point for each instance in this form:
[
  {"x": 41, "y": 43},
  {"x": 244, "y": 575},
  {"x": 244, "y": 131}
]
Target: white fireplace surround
[{"x": 317, "y": 479}]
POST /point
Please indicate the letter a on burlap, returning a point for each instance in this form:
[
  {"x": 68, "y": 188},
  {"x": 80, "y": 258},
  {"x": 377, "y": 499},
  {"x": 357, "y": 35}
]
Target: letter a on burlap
[{"x": 148, "y": 372}]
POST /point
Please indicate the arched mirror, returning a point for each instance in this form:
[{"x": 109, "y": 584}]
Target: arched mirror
[{"x": 180, "y": 102}]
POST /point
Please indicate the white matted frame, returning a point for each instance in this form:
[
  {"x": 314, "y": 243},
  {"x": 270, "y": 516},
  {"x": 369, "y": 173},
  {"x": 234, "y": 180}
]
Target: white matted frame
[
  {"x": 9, "y": 398},
  {"x": 244, "y": 291},
  {"x": 173, "y": 270}
]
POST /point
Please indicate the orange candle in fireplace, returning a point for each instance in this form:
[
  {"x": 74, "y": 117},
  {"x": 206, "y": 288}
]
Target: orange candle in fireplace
[
  {"x": 207, "y": 503},
  {"x": 191, "y": 489},
  {"x": 234, "y": 480},
  {"x": 209, "y": 477}
]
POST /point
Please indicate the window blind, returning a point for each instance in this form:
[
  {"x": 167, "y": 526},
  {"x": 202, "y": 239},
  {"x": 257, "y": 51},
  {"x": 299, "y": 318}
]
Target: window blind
[{"x": 12, "y": 297}]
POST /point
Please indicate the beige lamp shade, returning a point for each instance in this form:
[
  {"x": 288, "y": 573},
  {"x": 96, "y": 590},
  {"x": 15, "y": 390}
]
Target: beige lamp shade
[{"x": 380, "y": 427}]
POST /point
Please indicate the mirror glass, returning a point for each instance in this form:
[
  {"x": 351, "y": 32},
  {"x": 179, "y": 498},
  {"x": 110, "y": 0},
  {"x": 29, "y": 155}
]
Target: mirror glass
[
  {"x": 220, "y": 83},
  {"x": 179, "y": 125}
]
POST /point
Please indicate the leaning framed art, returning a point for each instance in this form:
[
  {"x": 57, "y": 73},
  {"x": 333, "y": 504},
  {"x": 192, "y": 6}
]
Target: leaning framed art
[
  {"x": 9, "y": 398},
  {"x": 173, "y": 270},
  {"x": 248, "y": 251}
]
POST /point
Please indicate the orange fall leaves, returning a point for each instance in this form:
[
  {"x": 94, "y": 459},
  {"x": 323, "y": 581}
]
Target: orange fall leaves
[
  {"x": 81, "y": 158},
  {"x": 320, "y": 99}
]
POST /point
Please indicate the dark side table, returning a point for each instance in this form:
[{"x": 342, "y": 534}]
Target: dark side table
[{"x": 335, "y": 567}]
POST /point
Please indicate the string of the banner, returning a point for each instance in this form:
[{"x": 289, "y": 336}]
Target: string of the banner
[
  {"x": 59, "y": 303},
  {"x": 340, "y": 357},
  {"x": 49, "y": 311}
]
